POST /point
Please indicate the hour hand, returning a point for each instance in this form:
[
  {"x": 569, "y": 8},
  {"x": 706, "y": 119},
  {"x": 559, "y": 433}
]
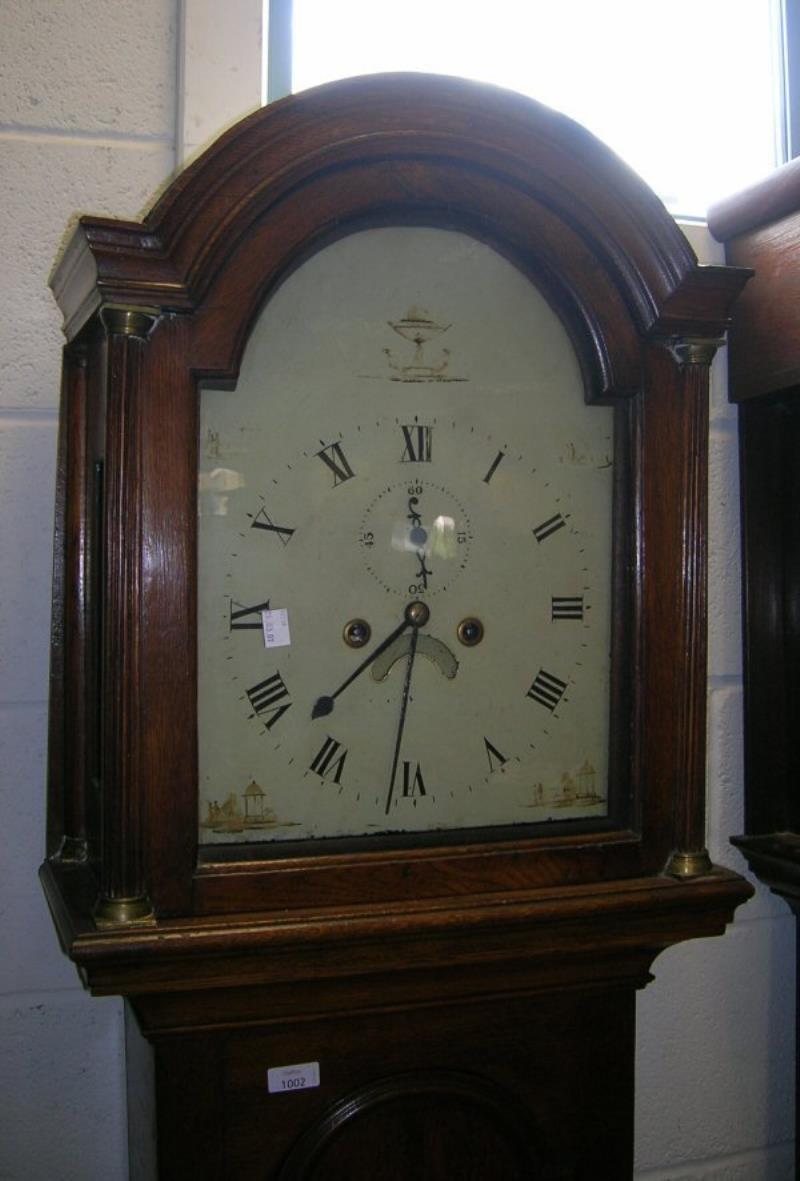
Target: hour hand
[
  {"x": 322, "y": 707},
  {"x": 415, "y": 615}
]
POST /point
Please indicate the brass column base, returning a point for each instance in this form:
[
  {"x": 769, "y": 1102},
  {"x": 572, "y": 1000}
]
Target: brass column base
[
  {"x": 123, "y": 912},
  {"x": 689, "y": 865}
]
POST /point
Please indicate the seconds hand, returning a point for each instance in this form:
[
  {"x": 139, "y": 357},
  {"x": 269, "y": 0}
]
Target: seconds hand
[{"x": 324, "y": 705}]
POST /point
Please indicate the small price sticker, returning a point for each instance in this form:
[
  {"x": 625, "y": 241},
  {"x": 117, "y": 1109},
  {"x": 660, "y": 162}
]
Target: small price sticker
[
  {"x": 276, "y": 628},
  {"x": 293, "y": 1078}
]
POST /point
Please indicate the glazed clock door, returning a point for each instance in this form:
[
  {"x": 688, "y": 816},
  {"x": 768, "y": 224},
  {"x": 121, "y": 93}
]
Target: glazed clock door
[{"x": 405, "y": 556}]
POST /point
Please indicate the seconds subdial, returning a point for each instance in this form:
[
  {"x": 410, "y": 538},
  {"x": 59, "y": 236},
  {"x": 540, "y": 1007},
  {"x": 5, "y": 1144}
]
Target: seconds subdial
[{"x": 415, "y": 538}]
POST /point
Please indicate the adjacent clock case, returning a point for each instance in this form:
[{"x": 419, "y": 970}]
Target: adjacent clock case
[
  {"x": 760, "y": 228},
  {"x": 154, "y": 310}
]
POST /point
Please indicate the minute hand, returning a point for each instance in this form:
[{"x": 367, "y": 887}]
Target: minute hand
[
  {"x": 401, "y": 725},
  {"x": 324, "y": 705}
]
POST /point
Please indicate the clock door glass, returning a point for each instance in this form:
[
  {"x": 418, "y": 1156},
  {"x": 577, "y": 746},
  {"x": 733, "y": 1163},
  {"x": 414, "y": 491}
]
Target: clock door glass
[{"x": 404, "y": 555}]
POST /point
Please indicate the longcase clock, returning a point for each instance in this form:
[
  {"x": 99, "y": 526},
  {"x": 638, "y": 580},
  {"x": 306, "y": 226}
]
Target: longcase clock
[{"x": 378, "y": 678}]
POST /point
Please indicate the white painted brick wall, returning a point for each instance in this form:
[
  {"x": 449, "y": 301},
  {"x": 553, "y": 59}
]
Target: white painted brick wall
[
  {"x": 87, "y": 124},
  {"x": 89, "y": 68}
]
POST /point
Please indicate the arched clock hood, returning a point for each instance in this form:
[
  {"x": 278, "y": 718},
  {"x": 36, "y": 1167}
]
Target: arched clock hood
[{"x": 423, "y": 150}]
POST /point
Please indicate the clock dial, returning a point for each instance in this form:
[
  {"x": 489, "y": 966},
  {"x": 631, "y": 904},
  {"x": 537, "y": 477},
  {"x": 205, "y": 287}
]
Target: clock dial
[{"x": 404, "y": 555}]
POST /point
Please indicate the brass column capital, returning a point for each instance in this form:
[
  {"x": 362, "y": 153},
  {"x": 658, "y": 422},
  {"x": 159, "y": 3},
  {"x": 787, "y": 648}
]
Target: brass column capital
[
  {"x": 125, "y": 320},
  {"x": 695, "y": 350}
]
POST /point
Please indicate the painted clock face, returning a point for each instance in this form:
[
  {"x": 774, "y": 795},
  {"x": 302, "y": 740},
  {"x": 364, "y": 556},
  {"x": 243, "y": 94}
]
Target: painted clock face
[{"x": 404, "y": 555}]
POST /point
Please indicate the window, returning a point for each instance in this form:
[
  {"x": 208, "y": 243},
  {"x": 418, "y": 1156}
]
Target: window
[{"x": 688, "y": 93}]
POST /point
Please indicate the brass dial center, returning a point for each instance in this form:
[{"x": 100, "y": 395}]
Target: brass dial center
[{"x": 418, "y": 613}]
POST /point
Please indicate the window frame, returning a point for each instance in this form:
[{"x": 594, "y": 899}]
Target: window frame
[{"x": 213, "y": 93}]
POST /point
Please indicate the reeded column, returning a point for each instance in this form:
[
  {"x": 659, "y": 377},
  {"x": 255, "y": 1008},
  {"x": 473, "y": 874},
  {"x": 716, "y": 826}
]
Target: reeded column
[
  {"x": 76, "y": 618},
  {"x": 690, "y": 858},
  {"x": 123, "y": 895},
  {"x": 66, "y": 829}
]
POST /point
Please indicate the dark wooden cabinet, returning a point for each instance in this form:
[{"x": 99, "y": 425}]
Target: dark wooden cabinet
[
  {"x": 761, "y": 229},
  {"x": 471, "y": 1090},
  {"x": 465, "y": 987}
]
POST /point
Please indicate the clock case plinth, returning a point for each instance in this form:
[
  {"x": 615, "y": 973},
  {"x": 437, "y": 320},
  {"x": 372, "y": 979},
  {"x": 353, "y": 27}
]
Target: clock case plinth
[{"x": 228, "y": 958}]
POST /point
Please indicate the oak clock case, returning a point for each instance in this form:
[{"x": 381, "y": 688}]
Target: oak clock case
[
  {"x": 407, "y": 470},
  {"x": 378, "y": 667}
]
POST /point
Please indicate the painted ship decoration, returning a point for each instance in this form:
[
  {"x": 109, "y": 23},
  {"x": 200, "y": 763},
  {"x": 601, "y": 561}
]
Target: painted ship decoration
[{"x": 429, "y": 361}]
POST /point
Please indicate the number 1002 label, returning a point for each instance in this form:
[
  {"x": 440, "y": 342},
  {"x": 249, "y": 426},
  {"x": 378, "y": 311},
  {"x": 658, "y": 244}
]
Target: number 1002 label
[{"x": 293, "y": 1078}]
